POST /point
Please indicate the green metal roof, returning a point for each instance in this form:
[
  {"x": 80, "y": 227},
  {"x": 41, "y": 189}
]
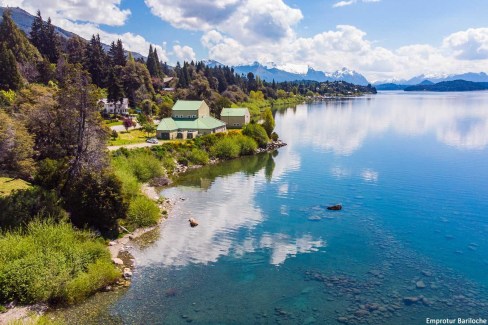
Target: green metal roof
[
  {"x": 233, "y": 112},
  {"x": 167, "y": 124},
  {"x": 201, "y": 123},
  {"x": 187, "y": 105}
]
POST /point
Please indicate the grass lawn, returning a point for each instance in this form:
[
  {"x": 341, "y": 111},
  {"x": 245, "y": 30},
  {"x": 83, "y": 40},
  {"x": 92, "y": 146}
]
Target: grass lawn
[
  {"x": 113, "y": 123},
  {"x": 131, "y": 137},
  {"x": 8, "y": 184}
]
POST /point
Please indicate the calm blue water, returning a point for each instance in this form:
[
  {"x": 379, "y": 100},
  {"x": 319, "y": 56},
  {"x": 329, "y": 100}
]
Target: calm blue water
[{"x": 411, "y": 172}]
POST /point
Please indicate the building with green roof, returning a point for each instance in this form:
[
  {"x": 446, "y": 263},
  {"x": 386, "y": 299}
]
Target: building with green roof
[
  {"x": 235, "y": 118},
  {"x": 189, "y": 119}
]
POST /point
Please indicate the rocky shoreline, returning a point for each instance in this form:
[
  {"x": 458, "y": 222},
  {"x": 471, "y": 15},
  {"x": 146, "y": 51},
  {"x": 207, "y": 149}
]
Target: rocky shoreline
[{"x": 120, "y": 248}]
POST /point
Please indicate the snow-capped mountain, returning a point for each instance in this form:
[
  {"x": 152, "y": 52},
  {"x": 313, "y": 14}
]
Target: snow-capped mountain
[
  {"x": 469, "y": 76},
  {"x": 292, "y": 72}
]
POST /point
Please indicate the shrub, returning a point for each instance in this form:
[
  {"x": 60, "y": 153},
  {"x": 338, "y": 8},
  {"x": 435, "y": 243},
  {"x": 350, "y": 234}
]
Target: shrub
[
  {"x": 257, "y": 132},
  {"x": 198, "y": 157},
  {"x": 143, "y": 212},
  {"x": 22, "y": 206},
  {"x": 98, "y": 275},
  {"x": 96, "y": 201},
  {"x": 145, "y": 166},
  {"x": 274, "y": 136},
  {"x": 39, "y": 264},
  {"x": 226, "y": 148},
  {"x": 247, "y": 145}
]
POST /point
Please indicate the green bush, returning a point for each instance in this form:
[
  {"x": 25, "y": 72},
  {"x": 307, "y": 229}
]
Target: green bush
[
  {"x": 247, "y": 145},
  {"x": 227, "y": 148},
  {"x": 143, "y": 212},
  {"x": 98, "y": 275},
  {"x": 198, "y": 157},
  {"x": 38, "y": 264},
  {"x": 257, "y": 132},
  {"x": 22, "y": 206},
  {"x": 145, "y": 166}
]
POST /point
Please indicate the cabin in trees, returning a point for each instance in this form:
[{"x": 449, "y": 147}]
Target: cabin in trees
[
  {"x": 121, "y": 108},
  {"x": 235, "y": 118},
  {"x": 189, "y": 119}
]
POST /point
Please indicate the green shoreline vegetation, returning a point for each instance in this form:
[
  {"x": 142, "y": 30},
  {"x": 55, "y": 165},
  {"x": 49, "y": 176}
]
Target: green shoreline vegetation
[{"x": 63, "y": 196}]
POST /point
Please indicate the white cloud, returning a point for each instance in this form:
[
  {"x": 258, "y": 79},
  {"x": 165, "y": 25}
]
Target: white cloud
[
  {"x": 106, "y": 12},
  {"x": 350, "y": 2},
  {"x": 184, "y": 53},
  {"x": 471, "y": 44},
  {"x": 83, "y": 18}
]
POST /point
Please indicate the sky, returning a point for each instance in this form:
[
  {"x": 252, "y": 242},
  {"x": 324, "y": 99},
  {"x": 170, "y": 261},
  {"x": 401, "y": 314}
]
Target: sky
[{"x": 382, "y": 39}]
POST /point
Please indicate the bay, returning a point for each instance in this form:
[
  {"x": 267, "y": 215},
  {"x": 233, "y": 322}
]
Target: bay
[{"x": 410, "y": 243}]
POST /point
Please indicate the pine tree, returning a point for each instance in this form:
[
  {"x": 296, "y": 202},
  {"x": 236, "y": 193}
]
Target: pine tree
[
  {"x": 43, "y": 36},
  {"x": 95, "y": 61},
  {"x": 36, "y": 30},
  {"x": 17, "y": 42},
  {"x": 117, "y": 54},
  {"x": 9, "y": 73},
  {"x": 115, "y": 86},
  {"x": 51, "y": 42},
  {"x": 159, "y": 70},
  {"x": 150, "y": 63},
  {"x": 76, "y": 48}
]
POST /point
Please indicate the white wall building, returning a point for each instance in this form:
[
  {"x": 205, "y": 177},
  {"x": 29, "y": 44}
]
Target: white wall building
[{"x": 121, "y": 108}]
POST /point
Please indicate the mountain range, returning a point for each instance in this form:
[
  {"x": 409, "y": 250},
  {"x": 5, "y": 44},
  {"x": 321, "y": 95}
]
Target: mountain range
[
  {"x": 417, "y": 80},
  {"x": 271, "y": 71}
]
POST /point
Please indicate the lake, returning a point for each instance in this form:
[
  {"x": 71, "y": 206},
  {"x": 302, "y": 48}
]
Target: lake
[{"x": 410, "y": 243}]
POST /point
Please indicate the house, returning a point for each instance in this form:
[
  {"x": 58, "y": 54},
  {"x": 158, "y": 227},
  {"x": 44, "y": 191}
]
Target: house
[
  {"x": 121, "y": 108},
  {"x": 235, "y": 118},
  {"x": 189, "y": 119}
]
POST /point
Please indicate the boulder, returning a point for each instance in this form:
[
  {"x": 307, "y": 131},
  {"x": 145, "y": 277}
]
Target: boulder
[
  {"x": 117, "y": 261},
  {"x": 127, "y": 273},
  {"x": 193, "y": 222},
  {"x": 336, "y": 207}
]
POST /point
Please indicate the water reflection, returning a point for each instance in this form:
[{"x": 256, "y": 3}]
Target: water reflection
[
  {"x": 458, "y": 119},
  {"x": 228, "y": 215}
]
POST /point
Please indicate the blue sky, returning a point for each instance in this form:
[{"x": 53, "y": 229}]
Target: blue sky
[{"x": 383, "y": 39}]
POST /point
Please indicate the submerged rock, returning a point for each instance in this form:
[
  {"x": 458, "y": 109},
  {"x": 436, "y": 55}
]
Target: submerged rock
[
  {"x": 314, "y": 218},
  {"x": 410, "y": 300},
  {"x": 420, "y": 284}
]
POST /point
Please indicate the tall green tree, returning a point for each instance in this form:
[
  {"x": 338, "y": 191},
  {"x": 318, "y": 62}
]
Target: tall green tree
[
  {"x": 269, "y": 122},
  {"x": 136, "y": 76},
  {"x": 115, "y": 86},
  {"x": 9, "y": 73},
  {"x": 117, "y": 54},
  {"x": 51, "y": 42},
  {"x": 17, "y": 42},
  {"x": 96, "y": 61},
  {"x": 76, "y": 49}
]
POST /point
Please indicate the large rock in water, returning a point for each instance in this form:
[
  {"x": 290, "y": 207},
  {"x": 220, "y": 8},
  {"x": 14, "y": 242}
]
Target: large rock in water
[{"x": 193, "y": 222}]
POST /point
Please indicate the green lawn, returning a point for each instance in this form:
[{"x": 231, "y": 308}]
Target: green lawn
[
  {"x": 8, "y": 184},
  {"x": 131, "y": 137},
  {"x": 110, "y": 123}
]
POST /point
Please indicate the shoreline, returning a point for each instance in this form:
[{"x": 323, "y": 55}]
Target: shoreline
[{"x": 120, "y": 248}]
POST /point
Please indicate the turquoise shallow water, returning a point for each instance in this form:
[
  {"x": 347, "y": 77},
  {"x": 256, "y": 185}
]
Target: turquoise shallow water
[{"x": 409, "y": 169}]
